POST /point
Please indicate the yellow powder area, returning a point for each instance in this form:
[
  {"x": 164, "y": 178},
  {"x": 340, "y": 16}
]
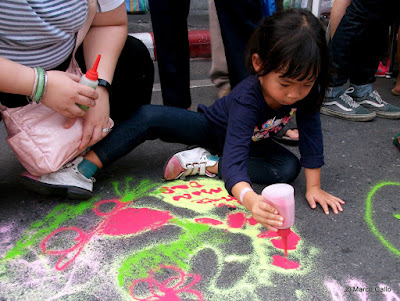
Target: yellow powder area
[{"x": 198, "y": 195}]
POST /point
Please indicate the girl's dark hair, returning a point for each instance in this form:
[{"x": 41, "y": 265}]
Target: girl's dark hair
[{"x": 293, "y": 42}]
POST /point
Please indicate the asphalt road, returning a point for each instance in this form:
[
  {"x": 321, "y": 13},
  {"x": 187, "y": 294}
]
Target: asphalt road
[{"x": 141, "y": 237}]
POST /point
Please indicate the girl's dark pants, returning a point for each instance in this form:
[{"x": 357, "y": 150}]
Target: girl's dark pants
[{"x": 269, "y": 162}]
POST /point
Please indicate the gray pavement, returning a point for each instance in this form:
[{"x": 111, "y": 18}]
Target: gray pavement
[{"x": 199, "y": 243}]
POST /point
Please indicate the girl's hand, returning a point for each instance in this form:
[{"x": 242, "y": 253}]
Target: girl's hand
[
  {"x": 262, "y": 212},
  {"x": 96, "y": 119},
  {"x": 317, "y": 195},
  {"x": 64, "y": 92}
]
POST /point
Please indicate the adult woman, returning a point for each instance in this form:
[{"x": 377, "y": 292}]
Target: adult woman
[{"x": 44, "y": 34}]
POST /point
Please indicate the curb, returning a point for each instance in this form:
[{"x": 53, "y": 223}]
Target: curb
[{"x": 199, "y": 43}]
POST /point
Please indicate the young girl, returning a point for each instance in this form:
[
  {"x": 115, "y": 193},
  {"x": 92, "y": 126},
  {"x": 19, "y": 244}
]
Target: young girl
[{"x": 288, "y": 57}]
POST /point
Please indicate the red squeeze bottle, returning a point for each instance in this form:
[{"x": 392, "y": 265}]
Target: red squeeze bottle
[
  {"x": 281, "y": 197},
  {"x": 90, "y": 79}
]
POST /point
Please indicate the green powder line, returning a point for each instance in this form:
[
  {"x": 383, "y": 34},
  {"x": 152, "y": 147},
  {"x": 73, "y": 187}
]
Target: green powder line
[
  {"x": 175, "y": 253},
  {"x": 396, "y": 216},
  {"x": 370, "y": 221},
  {"x": 40, "y": 229},
  {"x": 138, "y": 191}
]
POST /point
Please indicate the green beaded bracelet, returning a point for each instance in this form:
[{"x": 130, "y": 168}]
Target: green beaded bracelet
[
  {"x": 34, "y": 88},
  {"x": 44, "y": 86}
]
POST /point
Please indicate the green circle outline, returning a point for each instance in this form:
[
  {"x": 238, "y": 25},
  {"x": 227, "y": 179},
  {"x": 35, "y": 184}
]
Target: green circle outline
[{"x": 370, "y": 222}]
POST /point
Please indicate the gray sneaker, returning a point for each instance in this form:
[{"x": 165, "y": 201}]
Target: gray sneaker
[
  {"x": 346, "y": 108},
  {"x": 66, "y": 182},
  {"x": 374, "y": 102}
]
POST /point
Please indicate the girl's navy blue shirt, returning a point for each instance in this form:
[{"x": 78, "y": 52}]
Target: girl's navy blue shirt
[{"x": 243, "y": 117}]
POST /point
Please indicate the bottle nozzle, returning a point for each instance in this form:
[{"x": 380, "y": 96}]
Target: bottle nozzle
[
  {"x": 283, "y": 232},
  {"x": 92, "y": 73}
]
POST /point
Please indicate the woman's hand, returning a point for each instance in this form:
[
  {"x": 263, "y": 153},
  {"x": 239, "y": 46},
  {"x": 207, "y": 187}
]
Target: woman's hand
[
  {"x": 96, "y": 119},
  {"x": 64, "y": 92},
  {"x": 317, "y": 195}
]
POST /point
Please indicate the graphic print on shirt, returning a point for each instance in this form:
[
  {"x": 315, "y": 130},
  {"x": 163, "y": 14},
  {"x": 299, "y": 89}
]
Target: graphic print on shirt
[{"x": 271, "y": 126}]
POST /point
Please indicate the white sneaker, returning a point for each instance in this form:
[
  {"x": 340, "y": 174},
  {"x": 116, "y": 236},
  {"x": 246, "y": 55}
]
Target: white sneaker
[
  {"x": 68, "y": 182},
  {"x": 189, "y": 163}
]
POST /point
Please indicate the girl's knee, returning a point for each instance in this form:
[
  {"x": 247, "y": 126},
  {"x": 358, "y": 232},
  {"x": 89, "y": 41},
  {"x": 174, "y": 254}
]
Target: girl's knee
[
  {"x": 136, "y": 48},
  {"x": 151, "y": 115},
  {"x": 290, "y": 170},
  {"x": 136, "y": 57}
]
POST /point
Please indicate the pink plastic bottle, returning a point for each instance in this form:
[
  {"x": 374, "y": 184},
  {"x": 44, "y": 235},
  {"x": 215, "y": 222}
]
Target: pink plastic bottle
[{"x": 281, "y": 197}]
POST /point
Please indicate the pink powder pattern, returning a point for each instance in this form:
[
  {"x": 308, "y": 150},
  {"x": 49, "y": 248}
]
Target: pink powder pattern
[
  {"x": 284, "y": 263},
  {"x": 118, "y": 221}
]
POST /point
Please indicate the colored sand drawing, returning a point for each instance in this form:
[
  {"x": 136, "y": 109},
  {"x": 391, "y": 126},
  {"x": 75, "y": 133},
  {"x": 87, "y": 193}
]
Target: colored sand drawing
[
  {"x": 284, "y": 263},
  {"x": 119, "y": 248},
  {"x": 119, "y": 221},
  {"x": 369, "y": 218},
  {"x": 204, "y": 233},
  {"x": 168, "y": 289}
]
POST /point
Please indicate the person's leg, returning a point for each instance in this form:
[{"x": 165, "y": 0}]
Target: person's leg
[
  {"x": 269, "y": 163},
  {"x": 396, "y": 89},
  {"x": 237, "y": 20},
  {"x": 219, "y": 68},
  {"x": 374, "y": 18},
  {"x": 337, "y": 12},
  {"x": 169, "y": 20},
  {"x": 344, "y": 51},
  {"x": 380, "y": 17},
  {"x": 148, "y": 123},
  {"x": 132, "y": 82}
]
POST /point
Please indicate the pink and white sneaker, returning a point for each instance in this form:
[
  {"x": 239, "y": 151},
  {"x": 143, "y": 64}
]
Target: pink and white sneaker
[{"x": 189, "y": 163}]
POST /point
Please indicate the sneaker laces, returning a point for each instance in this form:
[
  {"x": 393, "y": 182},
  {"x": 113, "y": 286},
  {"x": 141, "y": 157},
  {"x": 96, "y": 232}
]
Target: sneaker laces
[
  {"x": 196, "y": 168},
  {"x": 377, "y": 97},
  {"x": 66, "y": 165},
  {"x": 348, "y": 99}
]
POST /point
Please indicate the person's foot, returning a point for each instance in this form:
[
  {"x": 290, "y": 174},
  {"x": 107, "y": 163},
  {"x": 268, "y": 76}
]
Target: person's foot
[
  {"x": 346, "y": 108},
  {"x": 383, "y": 70},
  {"x": 67, "y": 182},
  {"x": 375, "y": 103},
  {"x": 289, "y": 134},
  {"x": 224, "y": 91},
  {"x": 292, "y": 134},
  {"x": 396, "y": 91},
  {"x": 191, "y": 162},
  {"x": 396, "y": 141}
]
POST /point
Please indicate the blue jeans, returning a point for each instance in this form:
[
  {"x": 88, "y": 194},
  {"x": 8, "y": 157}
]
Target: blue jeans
[
  {"x": 360, "y": 40},
  {"x": 269, "y": 162}
]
